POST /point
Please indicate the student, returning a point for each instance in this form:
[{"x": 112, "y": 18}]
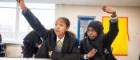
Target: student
[
  {"x": 2, "y": 48},
  {"x": 95, "y": 41},
  {"x": 31, "y": 43},
  {"x": 0, "y": 39},
  {"x": 59, "y": 43},
  {"x": 139, "y": 57}
]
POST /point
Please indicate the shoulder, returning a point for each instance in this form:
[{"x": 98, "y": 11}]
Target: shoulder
[
  {"x": 71, "y": 36},
  {"x": 83, "y": 41}
]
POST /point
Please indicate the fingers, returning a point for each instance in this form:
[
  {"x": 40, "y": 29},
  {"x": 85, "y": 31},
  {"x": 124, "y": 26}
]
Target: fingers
[
  {"x": 21, "y": 5},
  {"x": 91, "y": 53},
  {"x": 18, "y": 1},
  {"x": 50, "y": 54},
  {"x": 108, "y": 9},
  {"x": 94, "y": 50},
  {"x": 104, "y": 8}
]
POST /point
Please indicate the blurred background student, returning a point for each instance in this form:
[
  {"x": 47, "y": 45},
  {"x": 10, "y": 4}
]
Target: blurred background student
[
  {"x": 31, "y": 44},
  {"x": 2, "y": 48}
]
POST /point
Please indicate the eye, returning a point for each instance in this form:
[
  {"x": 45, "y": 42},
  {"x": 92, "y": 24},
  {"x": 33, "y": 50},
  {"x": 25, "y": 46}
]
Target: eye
[{"x": 61, "y": 25}]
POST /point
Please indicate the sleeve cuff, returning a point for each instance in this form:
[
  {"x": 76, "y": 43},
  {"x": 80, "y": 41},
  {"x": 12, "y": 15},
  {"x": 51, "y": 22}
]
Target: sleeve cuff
[
  {"x": 85, "y": 56},
  {"x": 114, "y": 19},
  {"x": 25, "y": 11}
]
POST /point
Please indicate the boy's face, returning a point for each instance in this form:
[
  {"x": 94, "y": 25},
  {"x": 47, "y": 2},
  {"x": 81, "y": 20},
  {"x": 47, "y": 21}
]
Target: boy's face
[{"x": 92, "y": 34}]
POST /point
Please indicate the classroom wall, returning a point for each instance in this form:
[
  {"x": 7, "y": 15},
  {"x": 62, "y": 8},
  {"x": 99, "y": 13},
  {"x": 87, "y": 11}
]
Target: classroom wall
[
  {"x": 13, "y": 50},
  {"x": 133, "y": 14},
  {"x": 72, "y": 12}
]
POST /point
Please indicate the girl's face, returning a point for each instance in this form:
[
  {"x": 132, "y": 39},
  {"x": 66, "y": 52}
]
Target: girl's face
[
  {"x": 60, "y": 27},
  {"x": 92, "y": 34}
]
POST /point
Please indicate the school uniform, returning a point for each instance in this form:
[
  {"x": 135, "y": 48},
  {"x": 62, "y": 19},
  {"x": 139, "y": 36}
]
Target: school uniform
[
  {"x": 110, "y": 37},
  {"x": 2, "y": 48},
  {"x": 0, "y": 38},
  {"x": 30, "y": 44},
  {"x": 68, "y": 50},
  {"x": 102, "y": 42}
]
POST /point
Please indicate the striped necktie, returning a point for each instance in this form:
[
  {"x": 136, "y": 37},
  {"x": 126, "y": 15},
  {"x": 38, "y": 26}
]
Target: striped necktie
[{"x": 59, "y": 44}]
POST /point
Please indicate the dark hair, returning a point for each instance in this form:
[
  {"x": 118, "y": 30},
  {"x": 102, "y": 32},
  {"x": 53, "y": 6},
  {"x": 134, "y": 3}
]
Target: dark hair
[{"x": 66, "y": 20}]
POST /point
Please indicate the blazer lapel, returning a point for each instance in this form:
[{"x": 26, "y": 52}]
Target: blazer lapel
[{"x": 66, "y": 44}]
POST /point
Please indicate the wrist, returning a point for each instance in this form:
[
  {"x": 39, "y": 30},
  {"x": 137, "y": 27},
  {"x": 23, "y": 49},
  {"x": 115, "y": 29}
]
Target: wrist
[
  {"x": 87, "y": 57},
  {"x": 50, "y": 53},
  {"x": 24, "y": 8},
  {"x": 114, "y": 14}
]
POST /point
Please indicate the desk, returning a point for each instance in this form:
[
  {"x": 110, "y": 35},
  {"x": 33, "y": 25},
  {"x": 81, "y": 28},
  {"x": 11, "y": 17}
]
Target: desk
[{"x": 22, "y": 59}]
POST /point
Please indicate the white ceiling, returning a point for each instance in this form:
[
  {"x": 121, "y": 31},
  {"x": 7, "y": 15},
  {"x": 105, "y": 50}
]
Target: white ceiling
[
  {"x": 101, "y": 2},
  {"x": 31, "y": 1},
  {"x": 87, "y": 2}
]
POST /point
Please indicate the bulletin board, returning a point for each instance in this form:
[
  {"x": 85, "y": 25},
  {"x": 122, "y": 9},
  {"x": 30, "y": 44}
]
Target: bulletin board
[
  {"x": 83, "y": 22},
  {"x": 120, "y": 44}
]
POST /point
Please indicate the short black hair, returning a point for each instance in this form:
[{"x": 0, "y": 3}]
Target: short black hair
[{"x": 66, "y": 20}]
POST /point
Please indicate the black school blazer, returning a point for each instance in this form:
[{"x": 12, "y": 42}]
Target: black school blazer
[{"x": 70, "y": 49}]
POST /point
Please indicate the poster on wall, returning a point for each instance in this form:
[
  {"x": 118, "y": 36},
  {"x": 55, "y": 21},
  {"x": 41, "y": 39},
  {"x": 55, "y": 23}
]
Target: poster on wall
[
  {"x": 83, "y": 21},
  {"x": 120, "y": 44}
]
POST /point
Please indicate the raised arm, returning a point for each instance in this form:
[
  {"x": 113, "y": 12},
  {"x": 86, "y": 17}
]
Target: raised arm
[
  {"x": 32, "y": 19},
  {"x": 0, "y": 38},
  {"x": 113, "y": 30}
]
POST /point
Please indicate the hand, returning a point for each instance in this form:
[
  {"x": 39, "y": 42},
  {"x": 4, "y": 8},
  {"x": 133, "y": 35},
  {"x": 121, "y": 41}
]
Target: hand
[
  {"x": 39, "y": 45},
  {"x": 50, "y": 54},
  {"x": 21, "y": 4},
  {"x": 91, "y": 53},
  {"x": 109, "y": 10}
]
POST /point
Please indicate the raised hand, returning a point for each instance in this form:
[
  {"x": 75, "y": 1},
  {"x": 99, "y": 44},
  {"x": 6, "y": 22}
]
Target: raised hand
[
  {"x": 109, "y": 10},
  {"x": 22, "y": 4}
]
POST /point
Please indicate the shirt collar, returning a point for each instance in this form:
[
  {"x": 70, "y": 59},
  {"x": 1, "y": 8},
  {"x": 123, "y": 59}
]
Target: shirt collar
[{"x": 61, "y": 38}]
